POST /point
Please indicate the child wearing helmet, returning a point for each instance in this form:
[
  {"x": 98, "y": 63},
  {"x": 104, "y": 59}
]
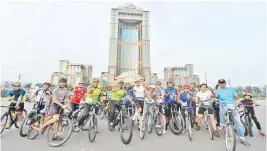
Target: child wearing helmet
[{"x": 248, "y": 101}]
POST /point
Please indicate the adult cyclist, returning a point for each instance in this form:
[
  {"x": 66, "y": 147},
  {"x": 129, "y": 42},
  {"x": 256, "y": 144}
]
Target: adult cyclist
[
  {"x": 15, "y": 96},
  {"x": 169, "y": 98},
  {"x": 139, "y": 93},
  {"x": 194, "y": 107},
  {"x": 204, "y": 96},
  {"x": 94, "y": 96},
  {"x": 117, "y": 95},
  {"x": 60, "y": 95},
  {"x": 159, "y": 99},
  {"x": 227, "y": 98}
]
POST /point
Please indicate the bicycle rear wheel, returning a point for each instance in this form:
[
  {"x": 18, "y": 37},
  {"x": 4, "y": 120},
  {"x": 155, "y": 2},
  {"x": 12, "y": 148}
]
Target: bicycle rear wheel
[
  {"x": 4, "y": 119},
  {"x": 190, "y": 131},
  {"x": 57, "y": 129},
  {"x": 92, "y": 128},
  {"x": 230, "y": 138},
  {"x": 101, "y": 113},
  {"x": 126, "y": 125},
  {"x": 250, "y": 125},
  {"x": 25, "y": 124},
  {"x": 142, "y": 126},
  {"x": 176, "y": 123}
]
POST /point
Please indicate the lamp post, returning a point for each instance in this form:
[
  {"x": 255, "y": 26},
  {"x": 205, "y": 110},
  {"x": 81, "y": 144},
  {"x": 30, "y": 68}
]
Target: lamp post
[{"x": 205, "y": 71}]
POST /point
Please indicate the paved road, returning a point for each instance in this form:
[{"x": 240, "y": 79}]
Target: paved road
[{"x": 107, "y": 140}]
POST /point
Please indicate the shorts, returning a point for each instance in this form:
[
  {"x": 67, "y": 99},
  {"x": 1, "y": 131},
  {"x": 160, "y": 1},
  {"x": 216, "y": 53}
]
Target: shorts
[
  {"x": 56, "y": 109},
  {"x": 168, "y": 110},
  {"x": 139, "y": 104},
  {"x": 20, "y": 109},
  {"x": 201, "y": 110},
  {"x": 194, "y": 108}
]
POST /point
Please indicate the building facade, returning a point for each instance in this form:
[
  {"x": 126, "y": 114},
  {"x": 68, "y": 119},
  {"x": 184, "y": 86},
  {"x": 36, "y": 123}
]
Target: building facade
[
  {"x": 74, "y": 72},
  {"x": 181, "y": 75},
  {"x": 129, "y": 48}
]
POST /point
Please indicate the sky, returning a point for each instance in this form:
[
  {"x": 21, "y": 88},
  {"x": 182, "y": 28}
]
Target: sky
[{"x": 227, "y": 39}]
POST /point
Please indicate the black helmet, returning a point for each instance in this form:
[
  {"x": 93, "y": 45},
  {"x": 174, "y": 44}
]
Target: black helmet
[
  {"x": 64, "y": 80},
  {"x": 203, "y": 84},
  {"x": 221, "y": 81}
]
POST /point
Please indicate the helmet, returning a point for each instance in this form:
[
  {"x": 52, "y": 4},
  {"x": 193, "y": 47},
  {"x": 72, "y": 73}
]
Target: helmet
[
  {"x": 170, "y": 81},
  {"x": 81, "y": 82},
  {"x": 16, "y": 84},
  {"x": 152, "y": 86},
  {"x": 127, "y": 83},
  {"x": 64, "y": 80},
  {"x": 221, "y": 81},
  {"x": 186, "y": 86},
  {"x": 249, "y": 94},
  {"x": 121, "y": 82},
  {"x": 203, "y": 84},
  {"x": 137, "y": 80},
  {"x": 158, "y": 83},
  {"x": 48, "y": 83},
  {"x": 95, "y": 80}
]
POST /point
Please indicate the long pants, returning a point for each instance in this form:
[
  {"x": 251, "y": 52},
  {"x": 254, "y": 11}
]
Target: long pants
[{"x": 85, "y": 114}]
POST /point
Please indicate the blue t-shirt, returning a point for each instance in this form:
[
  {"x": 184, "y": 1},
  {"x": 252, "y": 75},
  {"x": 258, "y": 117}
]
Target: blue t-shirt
[
  {"x": 130, "y": 93},
  {"x": 184, "y": 98},
  {"x": 226, "y": 95},
  {"x": 16, "y": 93},
  {"x": 171, "y": 97}
]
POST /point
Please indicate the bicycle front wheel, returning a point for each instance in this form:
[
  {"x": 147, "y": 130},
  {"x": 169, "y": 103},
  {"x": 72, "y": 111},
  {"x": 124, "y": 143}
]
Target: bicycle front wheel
[
  {"x": 177, "y": 123},
  {"x": 210, "y": 128},
  {"x": 149, "y": 123},
  {"x": 92, "y": 128},
  {"x": 230, "y": 138},
  {"x": 126, "y": 129},
  {"x": 59, "y": 132},
  {"x": 3, "y": 122},
  {"x": 142, "y": 126},
  {"x": 159, "y": 124},
  {"x": 190, "y": 129}
]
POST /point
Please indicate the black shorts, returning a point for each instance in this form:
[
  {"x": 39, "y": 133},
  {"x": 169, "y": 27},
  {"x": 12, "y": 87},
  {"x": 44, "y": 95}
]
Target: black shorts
[
  {"x": 168, "y": 110},
  {"x": 56, "y": 109},
  {"x": 201, "y": 110},
  {"x": 139, "y": 103},
  {"x": 20, "y": 109}
]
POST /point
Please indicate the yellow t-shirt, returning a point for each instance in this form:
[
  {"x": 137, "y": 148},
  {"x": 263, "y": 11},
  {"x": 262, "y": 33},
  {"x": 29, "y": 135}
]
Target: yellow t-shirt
[{"x": 117, "y": 95}]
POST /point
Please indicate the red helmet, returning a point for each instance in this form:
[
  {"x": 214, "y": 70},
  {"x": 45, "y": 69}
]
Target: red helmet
[{"x": 186, "y": 86}]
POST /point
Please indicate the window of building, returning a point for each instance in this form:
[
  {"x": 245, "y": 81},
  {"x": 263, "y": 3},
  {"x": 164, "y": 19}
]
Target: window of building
[
  {"x": 114, "y": 20},
  {"x": 146, "y": 72},
  {"x": 111, "y": 71},
  {"x": 177, "y": 82},
  {"x": 77, "y": 80},
  {"x": 114, "y": 32},
  {"x": 186, "y": 81},
  {"x": 114, "y": 13},
  {"x": 55, "y": 79},
  {"x": 196, "y": 81},
  {"x": 153, "y": 81},
  {"x": 69, "y": 79}
]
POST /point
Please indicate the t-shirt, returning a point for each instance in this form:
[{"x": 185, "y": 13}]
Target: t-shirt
[
  {"x": 194, "y": 92},
  {"x": 93, "y": 95},
  {"x": 159, "y": 95},
  {"x": 60, "y": 94},
  {"x": 43, "y": 96},
  {"x": 139, "y": 92},
  {"x": 78, "y": 94},
  {"x": 183, "y": 97},
  {"x": 17, "y": 94},
  {"x": 206, "y": 96},
  {"x": 129, "y": 93},
  {"x": 226, "y": 95},
  {"x": 117, "y": 95},
  {"x": 171, "y": 97}
]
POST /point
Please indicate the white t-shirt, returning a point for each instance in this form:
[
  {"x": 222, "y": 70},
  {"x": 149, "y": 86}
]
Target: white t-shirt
[
  {"x": 139, "y": 92},
  {"x": 206, "y": 96}
]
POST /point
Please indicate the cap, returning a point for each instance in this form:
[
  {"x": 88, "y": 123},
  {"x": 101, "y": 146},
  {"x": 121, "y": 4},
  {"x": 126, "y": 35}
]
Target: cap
[{"x": 221, "y": 81}]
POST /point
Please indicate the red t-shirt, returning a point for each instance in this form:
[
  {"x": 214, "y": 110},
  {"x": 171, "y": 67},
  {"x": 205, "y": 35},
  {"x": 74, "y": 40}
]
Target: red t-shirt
[{"x": 78, "y": 94}]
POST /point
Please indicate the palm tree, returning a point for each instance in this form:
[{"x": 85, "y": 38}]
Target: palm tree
[{"x": 248, "y": 89}]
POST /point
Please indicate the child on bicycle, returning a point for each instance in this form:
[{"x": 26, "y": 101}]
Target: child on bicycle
[{"x": 248, "y": 101}]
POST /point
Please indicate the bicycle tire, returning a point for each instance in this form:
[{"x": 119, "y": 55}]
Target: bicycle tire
[
  {"x": 158, "y": 117},
  {"x": 92, "y": 126},
  {"x": 250, "y": 127},
  {"x": 230, "y": 129},
  {"x": 210, "y": 128},
  {"x": 245, "y": 126},
  {"x": 130, "y": 127},
  {"x": 190, "y": 132},
  {"x": 149, "y": 120},
  {"x": 29, "y": 134},
  {"x": 66, "y": 139},
  {"x": 173, "y": 121},
  {"x": 22, "y": 125},
  {"x": 5, "y": 121},
  {"x": 101, "y": 113},
  {"x": 16, "y": 118},
  {"x": 142, "y": 125}
]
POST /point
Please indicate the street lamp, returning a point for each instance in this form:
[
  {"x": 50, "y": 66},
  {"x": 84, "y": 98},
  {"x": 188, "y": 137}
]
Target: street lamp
[{"x": 205, "y": 71}]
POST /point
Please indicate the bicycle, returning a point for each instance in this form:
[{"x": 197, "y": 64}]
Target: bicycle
[
  {"x": 58, "y": 128},
  {"x": 176, "y": 119},
  {"x": 123, "y": 119},
  {"x": 188, "y": 118},
  {"x": 248, "y": 122},
  {"x": 158, "y": 118},
  {"x": 12, "y": 115},
  {"x": 229, "y": 134},
  {"x": 207, "y": 120},
  {"x": 93, "y": 124},
  {"x": 148, "y": 118},
  {"x": 33, "y": 117}
]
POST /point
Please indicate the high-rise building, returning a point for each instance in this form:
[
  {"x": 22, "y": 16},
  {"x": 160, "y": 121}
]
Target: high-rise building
[
  {"x": 74, "y": 72},
  {"x": 181, "y": 74},
  {"x": 129, "y": 48}
]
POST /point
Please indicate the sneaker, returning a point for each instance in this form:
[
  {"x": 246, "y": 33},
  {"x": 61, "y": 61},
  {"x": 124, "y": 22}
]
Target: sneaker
[
  {"x": 7, "y": 126},
  {"x": 245, "y": 143},
  {"x": 197, "y": 128},
  {"x": 111, "y": 123},
  {"x": 164, "y": 132},
  {"x": 158, "y": 126},
  {"x": 261, "y": 133},
  {"x": 56, "y": 137}
]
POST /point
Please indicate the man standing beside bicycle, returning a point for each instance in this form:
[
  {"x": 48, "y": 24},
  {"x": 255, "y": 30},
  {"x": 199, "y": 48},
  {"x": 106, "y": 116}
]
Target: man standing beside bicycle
[
  {"x": 139, "y": 93},
  {"x": 228, "y": 98},
  {"x": 204, "y": 97},
  {"x": 194, "y": 107},
  {"x": 15, "y": 96},
  {"x": 94, "y": 95}
]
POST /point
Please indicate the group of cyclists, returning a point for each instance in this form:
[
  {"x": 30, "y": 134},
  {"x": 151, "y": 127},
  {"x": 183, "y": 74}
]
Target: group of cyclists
[{"x": 60, "y": 98}]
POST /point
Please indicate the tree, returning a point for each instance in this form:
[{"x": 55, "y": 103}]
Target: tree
[
  {"x": 248, "y": 89},
  {"x": 256, "y": 90},
  {"x": 264, "y": 90},
  {"x": 39, "y": 85},
  {"x": 27, "y": 86},
  {"x": 6, "y": 85},
  {"x": 239, "y": 89}
]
